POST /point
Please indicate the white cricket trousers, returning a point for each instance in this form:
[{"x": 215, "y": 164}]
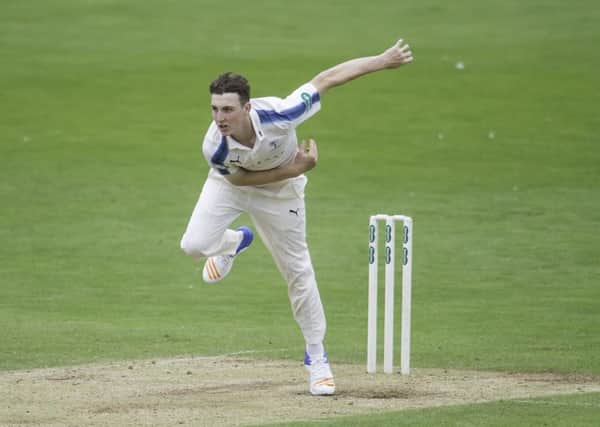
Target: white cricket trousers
[{"x": 278, "y": 214}]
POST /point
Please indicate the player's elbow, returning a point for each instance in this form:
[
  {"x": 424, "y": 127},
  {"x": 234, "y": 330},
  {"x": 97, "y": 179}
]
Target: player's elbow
[{"x": 322, "y": 82}]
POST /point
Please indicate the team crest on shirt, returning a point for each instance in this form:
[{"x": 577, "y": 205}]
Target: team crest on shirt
[{"x": 274, "y": 144}]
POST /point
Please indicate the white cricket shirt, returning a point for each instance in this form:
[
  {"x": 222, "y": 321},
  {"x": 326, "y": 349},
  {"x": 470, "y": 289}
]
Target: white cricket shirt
[{"x": 274, "y": 121}]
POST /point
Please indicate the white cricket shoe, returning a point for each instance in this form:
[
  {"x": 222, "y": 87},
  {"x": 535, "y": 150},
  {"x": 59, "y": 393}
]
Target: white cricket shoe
[
  {"x": 217, "y": 267},
  {"x": 321, "y": 379}
]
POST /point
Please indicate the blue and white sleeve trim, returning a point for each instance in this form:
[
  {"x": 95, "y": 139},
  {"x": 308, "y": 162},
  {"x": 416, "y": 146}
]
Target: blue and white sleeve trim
[{"x": 299, "y": 106}]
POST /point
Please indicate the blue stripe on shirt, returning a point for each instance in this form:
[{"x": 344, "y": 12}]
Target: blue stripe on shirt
[{"x": 270, "y": 116}]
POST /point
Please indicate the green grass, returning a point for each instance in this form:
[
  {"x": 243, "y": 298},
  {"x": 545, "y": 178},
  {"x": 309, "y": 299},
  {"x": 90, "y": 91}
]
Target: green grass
[
  {"x": 104, "y": 105},
  {"x": 557, "y": 411}
]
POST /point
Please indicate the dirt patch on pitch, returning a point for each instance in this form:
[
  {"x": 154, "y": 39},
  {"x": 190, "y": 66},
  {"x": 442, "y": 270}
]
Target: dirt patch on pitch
[{"x": 228, "y": 391}]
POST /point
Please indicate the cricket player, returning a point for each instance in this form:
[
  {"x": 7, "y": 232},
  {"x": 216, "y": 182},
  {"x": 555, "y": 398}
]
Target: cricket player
[{"x": 258, "y": 167}]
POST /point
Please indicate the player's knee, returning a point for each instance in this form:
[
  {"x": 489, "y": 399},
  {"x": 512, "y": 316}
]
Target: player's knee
[
  {"x": 194, "y": 246},
  {"x": 298, "y": 271},
  {"x": 303, "y": 293},
  {"x": 301, "y": 283}
]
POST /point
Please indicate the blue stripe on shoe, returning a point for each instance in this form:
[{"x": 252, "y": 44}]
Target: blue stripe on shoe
[
  {"x": 248, "y": 237},
  {"x": 308, "y": 361},
  {"x": 306, "y": 358}
]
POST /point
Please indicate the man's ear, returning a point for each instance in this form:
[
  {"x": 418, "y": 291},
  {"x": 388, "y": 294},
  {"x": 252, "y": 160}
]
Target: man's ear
[{"x": 247, "y": 107}]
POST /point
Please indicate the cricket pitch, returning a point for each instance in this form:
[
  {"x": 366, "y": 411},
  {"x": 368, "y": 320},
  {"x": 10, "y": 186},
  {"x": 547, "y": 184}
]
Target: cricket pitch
[{"x": 233, "y": 391}]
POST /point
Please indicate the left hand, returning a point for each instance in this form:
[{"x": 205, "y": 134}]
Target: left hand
[
  {"x": 397, "y": 55},
  {"x": 307, "y": 156}
]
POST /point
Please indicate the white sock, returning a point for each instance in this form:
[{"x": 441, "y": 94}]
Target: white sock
[{"x": 315, "y": 350}]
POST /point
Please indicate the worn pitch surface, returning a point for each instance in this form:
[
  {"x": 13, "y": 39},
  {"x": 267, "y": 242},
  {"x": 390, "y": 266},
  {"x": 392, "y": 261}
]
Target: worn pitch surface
[{"x": 222, "y": 391}]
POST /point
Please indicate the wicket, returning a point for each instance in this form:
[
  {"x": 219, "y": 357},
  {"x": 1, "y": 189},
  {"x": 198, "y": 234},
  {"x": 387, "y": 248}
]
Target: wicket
[{"x": 388, "y": 327}]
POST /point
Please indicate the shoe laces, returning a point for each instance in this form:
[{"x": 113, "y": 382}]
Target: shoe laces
[{"x": 223, "y": 261}]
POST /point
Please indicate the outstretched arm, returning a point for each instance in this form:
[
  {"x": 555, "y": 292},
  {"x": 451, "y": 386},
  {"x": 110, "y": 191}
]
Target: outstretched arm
[
  {"x": 397, "y": 55},
  {"x": 306, "y": 159}
]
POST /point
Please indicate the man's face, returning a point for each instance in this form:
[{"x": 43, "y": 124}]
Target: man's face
[{"x": 228, "y": 113}]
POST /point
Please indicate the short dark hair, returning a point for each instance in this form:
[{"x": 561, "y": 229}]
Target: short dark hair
[{"x": 231, "y": 83}]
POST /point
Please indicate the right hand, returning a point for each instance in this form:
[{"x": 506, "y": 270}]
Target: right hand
[
  {"x": 397, "y": 55},
  {"x": 306, "y": 157}
]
